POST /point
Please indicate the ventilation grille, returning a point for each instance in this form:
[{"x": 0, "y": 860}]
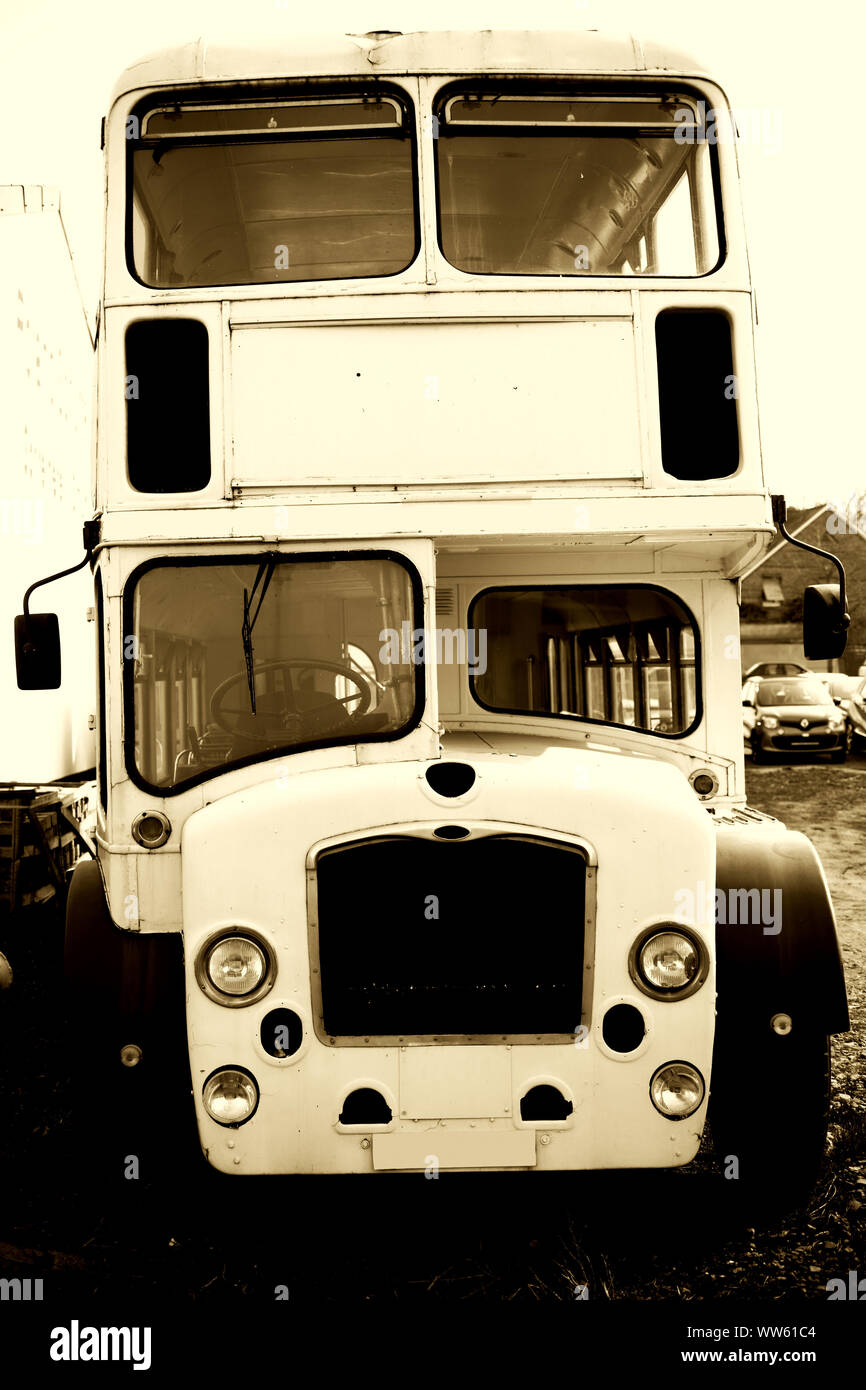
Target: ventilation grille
[{"x": 446, "y": 602}]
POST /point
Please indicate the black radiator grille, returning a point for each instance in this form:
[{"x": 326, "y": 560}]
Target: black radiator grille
[{"x": 451, "y": 938}]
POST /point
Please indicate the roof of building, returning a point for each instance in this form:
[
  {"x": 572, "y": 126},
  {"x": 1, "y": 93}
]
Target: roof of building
[{"x": 443, "y": 51}]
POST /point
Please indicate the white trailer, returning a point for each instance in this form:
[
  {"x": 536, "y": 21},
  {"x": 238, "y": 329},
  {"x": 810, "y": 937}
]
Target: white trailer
[{"x": 46, "y": 394}]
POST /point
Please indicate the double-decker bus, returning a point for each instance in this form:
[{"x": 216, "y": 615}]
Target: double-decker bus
[{"x": 427, "y": 462}]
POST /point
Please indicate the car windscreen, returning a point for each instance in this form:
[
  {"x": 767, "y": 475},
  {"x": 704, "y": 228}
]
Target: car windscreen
[{"x": 793, "y": 693}]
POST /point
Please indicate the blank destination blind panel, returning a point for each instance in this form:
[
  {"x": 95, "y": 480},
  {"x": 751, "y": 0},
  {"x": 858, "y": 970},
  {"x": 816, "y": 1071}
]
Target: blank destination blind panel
[{"x": 449, "y": 402}]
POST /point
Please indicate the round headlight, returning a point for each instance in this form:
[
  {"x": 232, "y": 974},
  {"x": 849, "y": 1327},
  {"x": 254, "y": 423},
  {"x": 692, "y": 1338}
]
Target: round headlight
[
  {"x": 769, "y": 721},
  {"x": 230, "y": 1096},
  {"x": 677, "y": 1090},
  {"x": 235, "y": 965},
  {"x": 669, "y": 961}
]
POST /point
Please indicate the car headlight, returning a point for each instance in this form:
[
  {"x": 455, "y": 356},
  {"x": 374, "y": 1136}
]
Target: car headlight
[
  {"x": 769, "y": 721},
  {"x": 230, "y": 1096},
  {"x": 677, "y": 1090},
  {"x": 836, "y": 721},
  {"x": 235, "y": 969},
  {"x": 668, "y": 963}
]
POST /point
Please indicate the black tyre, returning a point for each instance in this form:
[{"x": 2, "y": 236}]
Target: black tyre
[
  {"x": 769, "y": 1106},
  {"x": 758, "y": 754}
]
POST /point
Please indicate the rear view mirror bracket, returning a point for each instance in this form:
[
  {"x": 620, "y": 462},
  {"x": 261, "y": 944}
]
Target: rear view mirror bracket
[
  {"x": 825, "y": 612},
  {"x": 37, "y": 635}
]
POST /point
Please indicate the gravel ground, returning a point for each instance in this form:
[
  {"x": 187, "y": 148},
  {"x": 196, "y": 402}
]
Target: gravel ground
[{"x": 669, "y": 1235}]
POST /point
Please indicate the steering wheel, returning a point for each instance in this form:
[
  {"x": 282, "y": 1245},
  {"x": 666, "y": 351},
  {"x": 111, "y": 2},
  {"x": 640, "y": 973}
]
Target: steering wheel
[{"x": 277, "y": 723}]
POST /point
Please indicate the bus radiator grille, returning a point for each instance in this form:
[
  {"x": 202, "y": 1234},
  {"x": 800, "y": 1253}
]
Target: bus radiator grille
[{"x": 479, "y": 936}]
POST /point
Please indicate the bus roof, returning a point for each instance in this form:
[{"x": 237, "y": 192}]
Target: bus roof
[{"x": 351, "y": 55}]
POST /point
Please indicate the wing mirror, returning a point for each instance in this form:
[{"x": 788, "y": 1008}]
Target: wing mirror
[
  {"x": 37, "y": 635},
  {"x": 825, "y": 622},
  {"x": 825, "y": 612},
  {"x": 37, "y": 651}
]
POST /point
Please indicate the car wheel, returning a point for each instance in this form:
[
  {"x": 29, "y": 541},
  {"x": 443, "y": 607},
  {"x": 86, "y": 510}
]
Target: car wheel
[
  {"x": 768, "y": 1111},
  {"x": 758, "y": 754}
]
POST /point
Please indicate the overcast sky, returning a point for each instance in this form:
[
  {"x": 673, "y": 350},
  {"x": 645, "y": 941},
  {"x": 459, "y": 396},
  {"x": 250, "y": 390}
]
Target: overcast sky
[{"x": 792, "y": 65}]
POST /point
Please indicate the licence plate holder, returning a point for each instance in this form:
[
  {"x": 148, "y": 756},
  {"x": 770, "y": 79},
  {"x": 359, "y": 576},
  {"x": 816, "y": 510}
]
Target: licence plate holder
[{"x": 454, "y": 1148}]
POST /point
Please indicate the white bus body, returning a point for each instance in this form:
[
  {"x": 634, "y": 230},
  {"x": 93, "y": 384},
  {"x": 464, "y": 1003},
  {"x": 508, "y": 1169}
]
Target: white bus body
[{"x": 415, "y": 400}]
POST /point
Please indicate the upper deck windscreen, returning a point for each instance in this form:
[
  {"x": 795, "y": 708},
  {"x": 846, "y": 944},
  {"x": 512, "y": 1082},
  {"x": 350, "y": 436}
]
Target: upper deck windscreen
[
  {"x": 575, "y": 185},
  {"x": 260, "y": 193}
]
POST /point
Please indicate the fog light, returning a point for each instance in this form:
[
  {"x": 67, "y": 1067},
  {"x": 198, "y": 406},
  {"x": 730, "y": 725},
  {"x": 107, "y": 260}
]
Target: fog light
[
  {"x": 230, "y": 1096},
  {"x": 130, "y": 1055},
  {"x": 781, "y": 1024},
  {"x": 677, "y": 1090}
]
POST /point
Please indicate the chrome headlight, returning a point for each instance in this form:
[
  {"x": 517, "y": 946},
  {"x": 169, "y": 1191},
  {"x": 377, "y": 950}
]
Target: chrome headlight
[
  {"x": 235, "y": 969},
  {"x": 668, "y": 962},
  {"x": 230, "y": 1096},
  {"x": 769, "y": 721}
]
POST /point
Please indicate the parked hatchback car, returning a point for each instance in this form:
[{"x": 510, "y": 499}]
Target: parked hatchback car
[
  {"x": 797, "y": 714},
  {"x": 841, "y": 687},
  {"x": 775, "y": 668},
  {"x": 748, "y": 696},
  {"x": 854, "y": 705}
]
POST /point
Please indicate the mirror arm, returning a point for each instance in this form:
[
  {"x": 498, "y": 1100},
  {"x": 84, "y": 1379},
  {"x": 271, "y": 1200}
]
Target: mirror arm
[
  {"x": 780, "y": 513},
  {"x": 91, "y": 538}
]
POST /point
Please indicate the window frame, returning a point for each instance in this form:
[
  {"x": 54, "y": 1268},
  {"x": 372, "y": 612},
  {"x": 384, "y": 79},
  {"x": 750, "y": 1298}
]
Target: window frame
[
  {"x": 560, "y": 88},
  {"x": 574, "y": 638},
  {"x": 264, "y": 755},
  {"x": 223, "y": 95}
]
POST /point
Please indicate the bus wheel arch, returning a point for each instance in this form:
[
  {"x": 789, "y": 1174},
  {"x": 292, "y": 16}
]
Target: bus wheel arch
[
  {"x": 780, "y": 995},
  {"x": 125, "y": 995}
]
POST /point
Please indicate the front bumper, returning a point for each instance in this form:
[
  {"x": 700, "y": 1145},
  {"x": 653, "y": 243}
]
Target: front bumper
[{"x": 792, "y": 739}]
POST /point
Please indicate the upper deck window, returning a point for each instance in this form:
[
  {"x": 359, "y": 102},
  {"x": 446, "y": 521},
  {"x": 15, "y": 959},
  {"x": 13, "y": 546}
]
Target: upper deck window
[
  {"x": 269, "y": 192},
  {"x": 575, "y": 185}
]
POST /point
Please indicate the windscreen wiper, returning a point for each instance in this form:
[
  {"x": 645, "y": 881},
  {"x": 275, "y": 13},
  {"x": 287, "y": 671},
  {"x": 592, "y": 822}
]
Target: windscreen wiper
[{"x": 263, "y": 577}]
